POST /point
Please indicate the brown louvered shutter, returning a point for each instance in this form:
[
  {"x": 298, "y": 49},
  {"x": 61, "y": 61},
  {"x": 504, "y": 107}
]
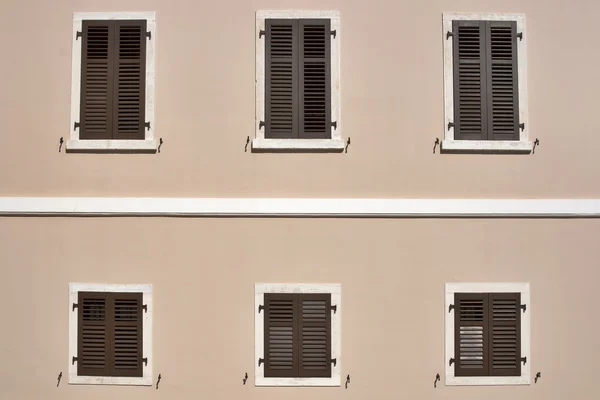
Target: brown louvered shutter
[
  {"x": 502, "y": 80},
  {"x": 96, "y": 101},
  {"x": 126, "y": 355},
  {"x": 505, "y": 334},
  {"x": 281, "y": 83},
  {"x": 471, "y": 334},
  {"x": 130, "y": 80},
  {"x": 93, "y": 341},
  {"x": 281, "y": 340},
  {"x": 470, "y": 118},
  {"x": 315, "y": 79},
  {"x": 315, "y": 335}
]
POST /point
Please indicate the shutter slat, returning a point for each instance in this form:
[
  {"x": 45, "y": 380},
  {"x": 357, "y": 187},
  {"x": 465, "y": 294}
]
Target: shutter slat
[
  {"x": 280, "y": 341},
  {"x": 315, "y": 335},
  {"x": 130, "y": 80},
  {"x": 470, "y": 334},
  {"x": 469, "y": 80},
  {"x": 96, "y": 99},
  {"x": 281, "y": 83},
  {"x": 505, "y": 334},
  {"x": 93, "y": 336},
  {"x": 502, "y": 80},
  {"x": 315, "y": 79}
]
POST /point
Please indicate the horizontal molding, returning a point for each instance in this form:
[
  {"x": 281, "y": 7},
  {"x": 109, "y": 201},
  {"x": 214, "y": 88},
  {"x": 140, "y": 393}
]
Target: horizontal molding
[{"x": 300, "y": 207}]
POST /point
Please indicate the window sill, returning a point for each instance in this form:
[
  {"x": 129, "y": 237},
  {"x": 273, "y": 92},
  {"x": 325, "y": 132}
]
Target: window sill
[
  {"x": 486, "y": 146},
  {"x": 486, "y": 380},
  {"x": 335, "y": 381},
  {"x": 110, "y": 380},
  {"x": 320, "y": 145},
  {"x": 111, "y": 146}
]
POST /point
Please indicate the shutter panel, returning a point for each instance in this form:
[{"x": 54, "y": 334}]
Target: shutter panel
[
  {"x": 505, "y": 334},
  {"x": 470, "y": 118},
  {"x": 93, "y": 341},
  {"x": 96, "y": 100},
  {"x": 130, "y": 80},
  {"x": 502, "y": 80},
  {"x": 315, "y": 79},
  {"x": 126, "y": 357},
  {"x": 315, "y": 335},
  {"x": 281, "y": 86},
  {"x": 471, "y": 334},
  {"x": 281, "y": 340}
]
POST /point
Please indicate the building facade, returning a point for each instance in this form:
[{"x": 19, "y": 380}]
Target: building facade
[{"x": 299, "y": 199}]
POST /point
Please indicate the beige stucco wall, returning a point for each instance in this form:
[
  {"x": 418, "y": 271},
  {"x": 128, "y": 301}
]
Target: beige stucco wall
[
  {"x": 392, "y": 274},
  {"x": 392, "y": 105}
]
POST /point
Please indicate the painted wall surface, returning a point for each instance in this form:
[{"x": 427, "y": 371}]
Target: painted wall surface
[
  {"x": 392, "y": 274},
  {"x": 392, "y": 105}
]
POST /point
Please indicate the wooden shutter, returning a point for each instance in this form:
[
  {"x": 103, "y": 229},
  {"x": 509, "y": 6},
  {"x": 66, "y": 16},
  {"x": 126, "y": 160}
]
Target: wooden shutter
[
  {"x": 297, "y": 335},
  {"x": 315, "y": 335},
  {"x": 130, "y": 80},
  {"x": 315, "y": 79},
  {"x": 96, "y": 101},
  {"x": 502, "y": 80},
  {"x": 470, "y": 118},
  {"x": 281, "y": 340},
  {"x": 471, "y": 334},
  {"x": 126, "y": 355},
  {"x": 281, "y": 84},
  {"x": 93, "y": 336},
  {"x": 505, "y": 334},
  {"x": 486, "y": 90},
  {"x": 109, "y": 334}
]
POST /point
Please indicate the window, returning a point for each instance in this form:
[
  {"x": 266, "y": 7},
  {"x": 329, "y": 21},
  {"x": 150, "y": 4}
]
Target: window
[
  {"x": 297, "y": 339},
  {"x": 112, "y": 94},
  {"x": 110, "y": 334},
  {"x": 487, "y": 334},
  {"x": 297, "y": 81},
  {"x": 485, "y": 83}
]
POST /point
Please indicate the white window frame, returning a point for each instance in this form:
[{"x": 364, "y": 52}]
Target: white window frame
[
  {"x": 523, "y": 288},
  {"x": 146, "y": 290},
  {"x": 524, "y": 144},
  {"x": 336, "y": 143},
  {"x": 149, "y": 143},
  {"x": 259, "y": 325}
]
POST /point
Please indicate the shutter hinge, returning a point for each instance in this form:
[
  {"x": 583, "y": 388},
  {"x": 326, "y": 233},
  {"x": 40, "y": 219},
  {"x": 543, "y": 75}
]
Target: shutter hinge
[
  {"x": 450, "y": 125},
  {"x": 261, "y": 33},
  {"x": 450, "y": 307},
  {"x": 145, "y": 361},
  {"x": 523, "y": 307},
  {"x": 75, "y": 305},
  {"x": 451, "y": 361},
  {"x": 78, "y": 35},
  {"x": 260, "y": 308},
  {"x": 74, "y": 359},
  {"x": 449, "y": 35},
  {"x": 334, "y": 361},
  {"x": 334, "y": 308},
  {"x": 522, "y": 126},
  {"x": 333, "y": 33},
  {"x": 76, "y": 125},
  {"x": 520, "y": 35},
  {"x": 260, "y": 361},
  {"x": 334, "y": 124},
  {"x": 145, "y": 307},
  {"x": 524, "y": 360},
  {"x": 147, "y": 125},
  {"x": 261, "y": 124},
  {"x": 149, "y": 35}
]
